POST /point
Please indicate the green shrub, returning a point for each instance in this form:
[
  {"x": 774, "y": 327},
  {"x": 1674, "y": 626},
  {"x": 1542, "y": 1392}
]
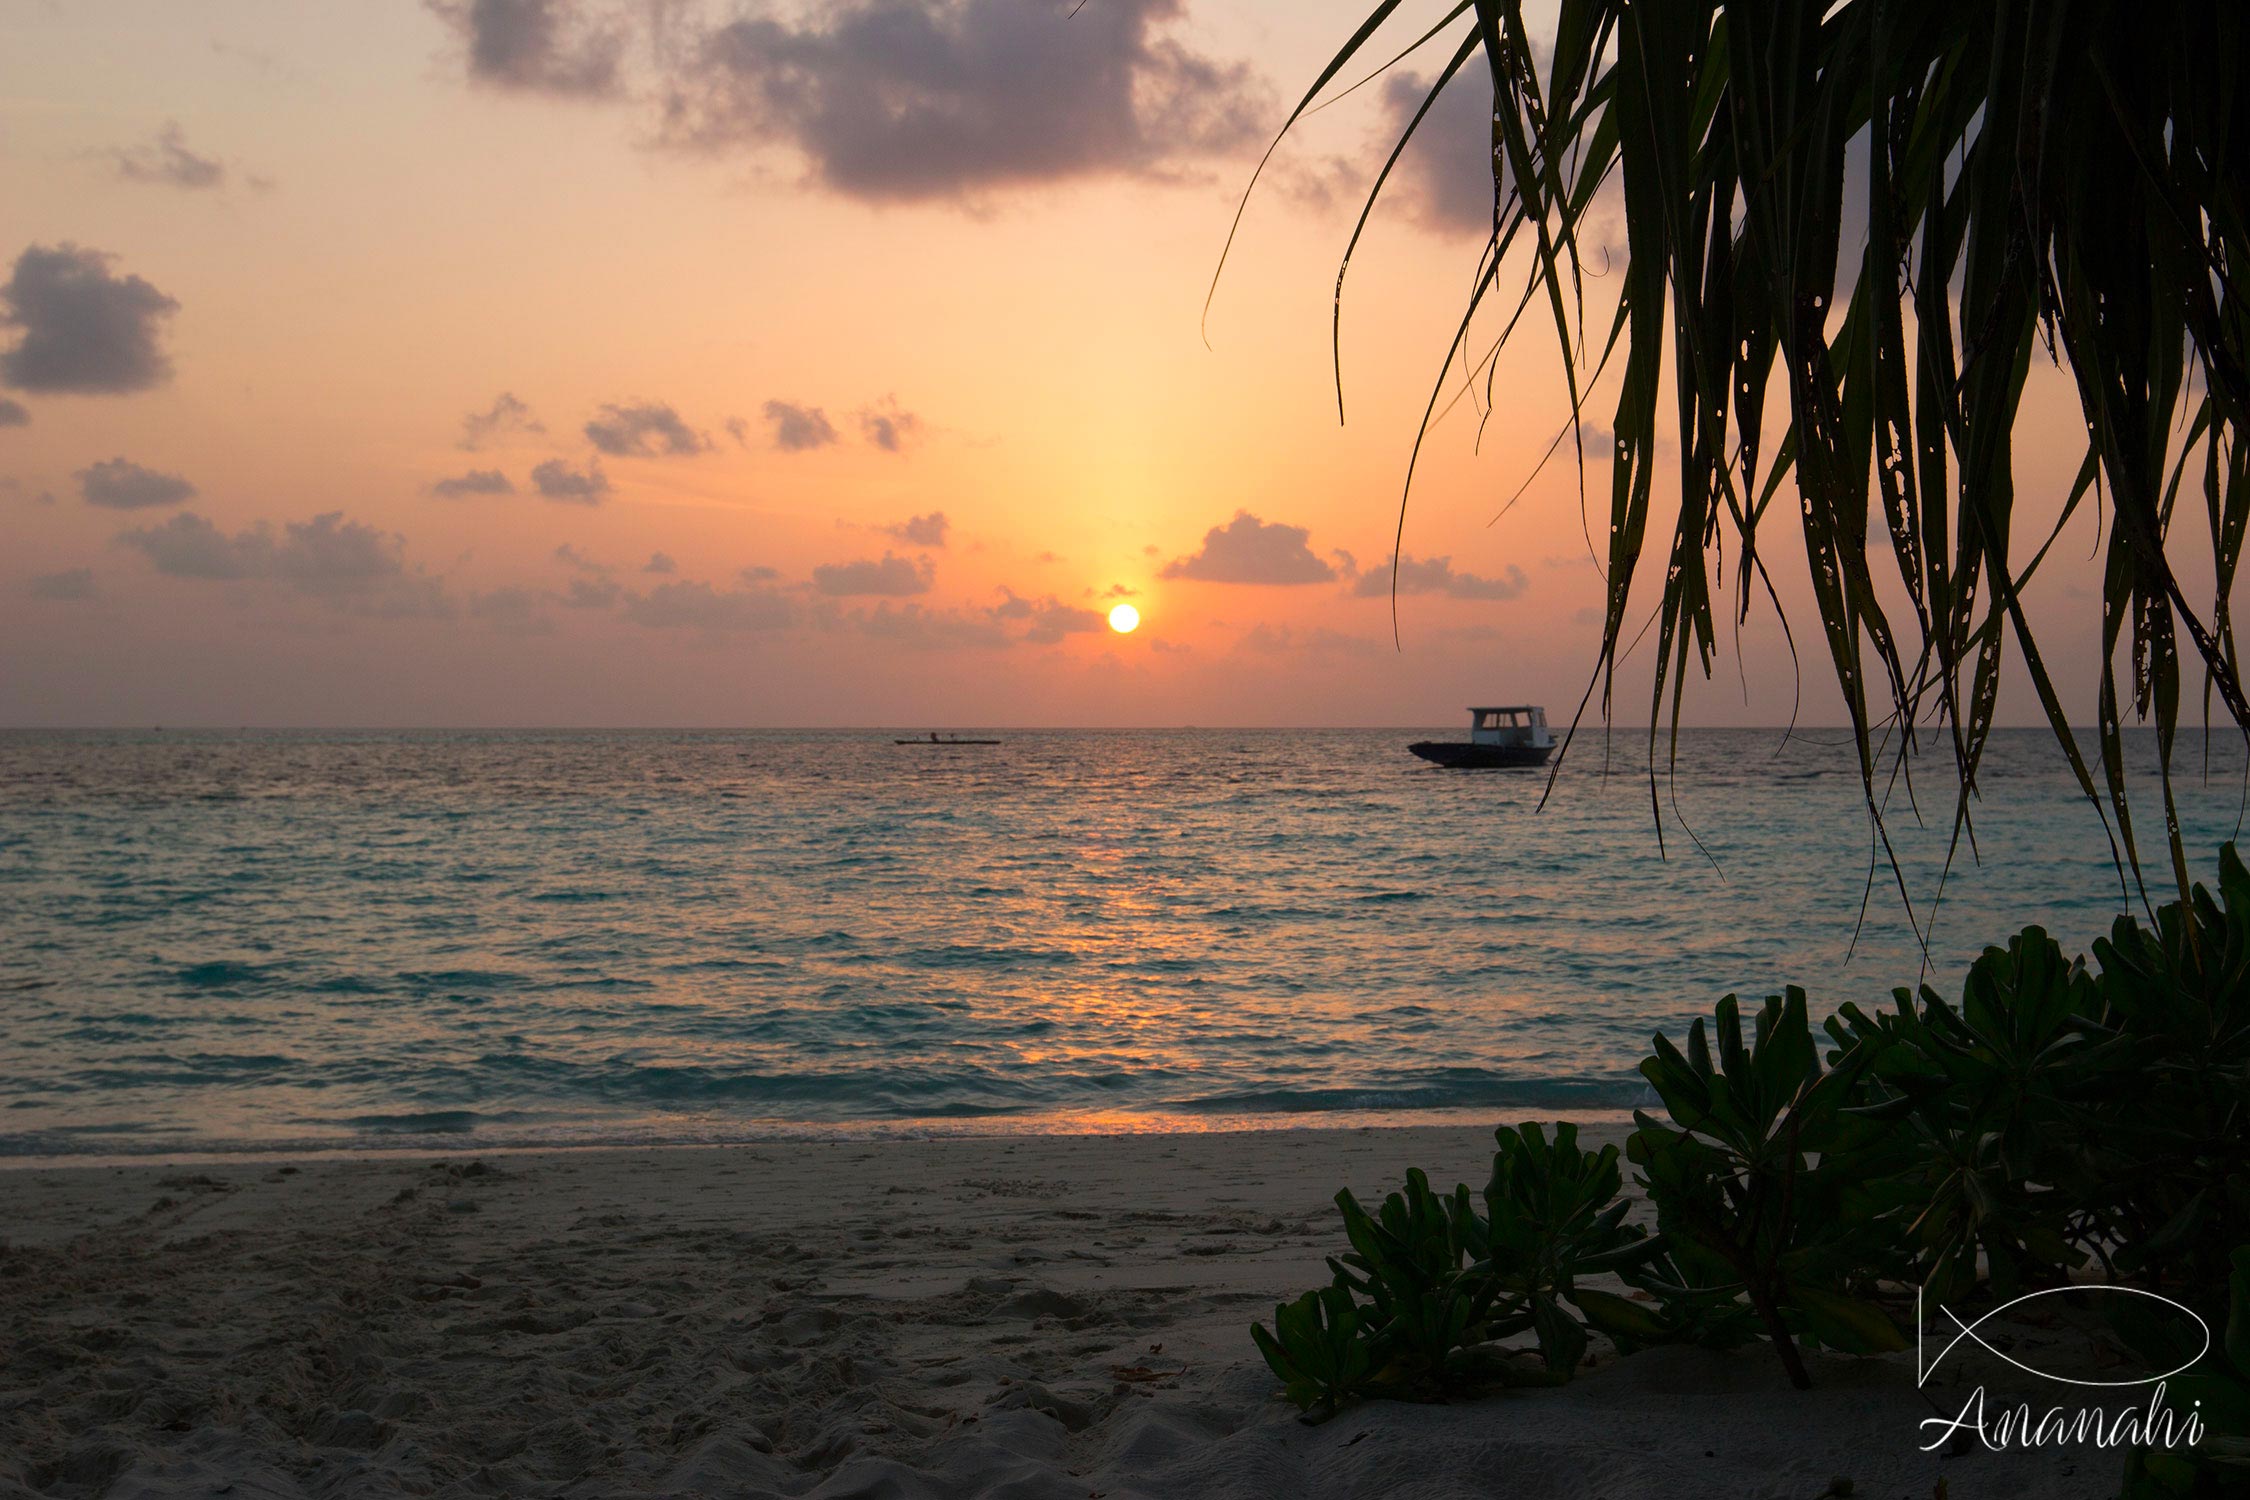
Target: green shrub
[
  {"x": 1429, "y": 1285},
  {"x": 1552, "y": 1218},
  {"x": 2175, "y": 1143},
  {"x": 2055, "y": 1117},
  {"x": 1411, "y": 1262},
  {"x": 1320, "y": 1347},
  {"x": 1997, "y": 1101},
  {"x": 1762, "y": 1184},
  {"x": 2217, "y": 1389}
]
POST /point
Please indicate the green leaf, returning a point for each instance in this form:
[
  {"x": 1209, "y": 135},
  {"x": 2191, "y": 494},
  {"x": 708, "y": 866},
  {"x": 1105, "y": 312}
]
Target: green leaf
[{"x": 1848, "y": 1324}]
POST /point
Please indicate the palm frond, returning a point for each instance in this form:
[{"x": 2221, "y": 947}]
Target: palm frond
[{"x": 2066, "y": 180}]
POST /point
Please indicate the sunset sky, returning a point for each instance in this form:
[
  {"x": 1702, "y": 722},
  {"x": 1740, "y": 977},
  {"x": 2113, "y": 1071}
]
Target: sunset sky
[{"x": 528, "y": 362}]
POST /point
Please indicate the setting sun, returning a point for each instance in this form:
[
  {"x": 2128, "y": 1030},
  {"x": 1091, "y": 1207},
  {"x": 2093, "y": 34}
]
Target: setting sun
[{"x": 1124, "y": 619}]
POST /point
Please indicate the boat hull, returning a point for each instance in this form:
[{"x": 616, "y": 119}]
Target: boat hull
[{"x": 1459, "y": 755}]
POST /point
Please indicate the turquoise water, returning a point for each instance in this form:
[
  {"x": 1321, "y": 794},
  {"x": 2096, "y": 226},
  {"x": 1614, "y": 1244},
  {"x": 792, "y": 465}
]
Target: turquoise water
[{"x": 220, "y": 940}]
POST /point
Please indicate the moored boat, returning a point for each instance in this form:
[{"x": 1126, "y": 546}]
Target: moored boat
[
  {"x": 934, "y": 738},
  {"x": 1511, "y": 735}
]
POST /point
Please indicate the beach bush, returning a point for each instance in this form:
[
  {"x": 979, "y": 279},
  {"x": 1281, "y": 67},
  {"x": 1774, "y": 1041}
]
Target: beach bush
[
  {"x": 2056, "y": 1118},
  {"x": 1993, "y": 1099},
  {"x": 2173, "y": 1143},
  {"x": 1761, "y": 1180},
  {"x": 2216, "y": 1388},
  {"x": 1430, "y": 1285}
]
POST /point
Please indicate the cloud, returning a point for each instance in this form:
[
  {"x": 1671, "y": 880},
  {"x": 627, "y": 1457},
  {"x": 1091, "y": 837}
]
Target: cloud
[
  {"x": 513, "y": 611},
  {"x": 591, "y": 593},
  {"x": 889, "y": 426},
  {"x": 1283, "y": 640},
  {"x": 325, "y": 555},
  {"x": 641, "y": 430},
  {"x": 507, "y": 414},
  {"x": 899, "y": 100},
  {"x": 916, "y": 626},
  {"x": 799, "y": 428},
  {"x": 595, "y": 587},
  {"x": 69, "y": 584},
  {"x": 1445, "y": 177},
  {"x": 167, "y": 162},
  {"x": 894, "y": 577},
  {"x": 922, "y": 531},
  {"x": 1435, "y": 575},
  {"x": 12, "y": 414},
  {"x": 698, "y": 606},
  {"x": 475, "y": 482},
  {"x": 1248, "y": 550},
  {"x": 121, "y": 484},
  {"x": 540, "y": 46},
  {"x": 661, "y": 562},
  {"x": 559, "y": 481},
  {"x": 85, "y": 331},
  {"x": 1047, "y": 620}
]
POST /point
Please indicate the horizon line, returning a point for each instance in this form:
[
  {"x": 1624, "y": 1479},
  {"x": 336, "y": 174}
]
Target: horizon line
[{"x": 924, "y": 727}]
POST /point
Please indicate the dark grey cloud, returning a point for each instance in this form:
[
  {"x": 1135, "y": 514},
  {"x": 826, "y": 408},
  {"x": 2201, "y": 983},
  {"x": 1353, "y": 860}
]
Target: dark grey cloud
[
  {"x": 1047, "y": 620},
  {"x": 895, "y": 100},
  {"x": 121, "y": 484},
  {"x": 797, "y": 429},
  {"x": 541, "y": 46},
  {"x": 889, "y": 426},
  {"x": 595, "y": 587},
  {"x": 557, "y": 480},
  {"x": 588, "y": 591},
  {"x": 166, "y": 161},
  {"x": 1444, "y": 180},
  {"x": 325, "y": 555},
  {"x": 506, "y": 414},
  {"x": 1435, "y": 575},
  {"x": 1445, "y": 177},
  {"x": 641, "y": 430},
  {"x": 687, "y": 605},
  {"x": 474, "y": 482},
  {"x": 512, "y": 611},
  {"x": 68, "y": 585},
  {"x": 1248, "y": 550},
  {"x": 923, "y": 531},
  {"x": 13, "y": 414},
  {"x": 85, "y": 331},
  {"x": 661, "y": 562},
  {"x": 1284, "y": 640},
  {"x": 894, "y": 577},
  {"x": 918, "y": 627},
  {"x": 187, "y": 546}
]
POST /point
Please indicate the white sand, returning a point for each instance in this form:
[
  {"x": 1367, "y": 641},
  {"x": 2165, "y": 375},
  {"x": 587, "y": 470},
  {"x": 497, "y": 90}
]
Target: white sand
[{"x": 1024, "y": 1318}]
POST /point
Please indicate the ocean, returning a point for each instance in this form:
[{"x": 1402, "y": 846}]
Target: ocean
[{"x": 300, "y": 940}]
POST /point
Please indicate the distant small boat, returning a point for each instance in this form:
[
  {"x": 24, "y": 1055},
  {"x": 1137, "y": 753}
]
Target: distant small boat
[
  {"x": 934, "y": 738},
  {"x": 1515, "y": 735}
]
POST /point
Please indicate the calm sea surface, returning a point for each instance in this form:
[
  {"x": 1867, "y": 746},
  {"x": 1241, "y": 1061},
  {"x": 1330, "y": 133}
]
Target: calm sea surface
[{"x": 224, "y": 941}]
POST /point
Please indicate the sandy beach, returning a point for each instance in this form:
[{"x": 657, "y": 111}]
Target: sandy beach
[{"x": 1024, "y": 1317}]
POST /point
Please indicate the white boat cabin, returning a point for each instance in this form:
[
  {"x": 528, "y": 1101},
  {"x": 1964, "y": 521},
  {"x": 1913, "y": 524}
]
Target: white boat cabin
[{"x": 1522, "y": 724}]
